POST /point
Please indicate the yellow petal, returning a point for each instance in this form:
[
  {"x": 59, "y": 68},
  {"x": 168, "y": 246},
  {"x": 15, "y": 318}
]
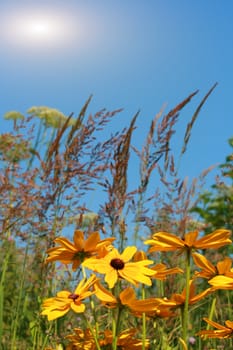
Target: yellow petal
[
  {"x": 92, "y": 240},
  {"x": 127, "y": 295},
  {"x": 146, "y": 305},
  {"x": 224, "y": 266},
  {"x": 97, "y": 265},
  {"x": 139, "y": 255},
  {"x": 214, "y": 324},
  {"x": 65, "y": 243},
  {"x": 53, "y": 314},
  {"x": 143, "y": 264},
  {"x": 215, "y": 239},
  {"x": 128, "y": 253},
  {"x": 133, "y": 274},
  {"x": 190, "y": 238},
  {"x": 194, "y": 299},
  {"x": 79, "y": 239},
  {"x": 76, "y": 263},
  {"x": 169, "y": 239},
  {"x": 103, "y": 294},
  {"x": 229, "y": 324},
  {"x": 161, "y": 271},
  {"x": 111, "y": 278},
  {"x": 221, "y": 282},
  {"x": 164, "y": 241},
  {"x": 84, "y": 285},
  {"x": 63, "y": 294},
  {"x": 78, "y": 308},
  {"x": 203, "y": 263}
]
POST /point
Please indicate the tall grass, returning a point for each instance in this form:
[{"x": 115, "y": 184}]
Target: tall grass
[{"x": 50, "y": 164}]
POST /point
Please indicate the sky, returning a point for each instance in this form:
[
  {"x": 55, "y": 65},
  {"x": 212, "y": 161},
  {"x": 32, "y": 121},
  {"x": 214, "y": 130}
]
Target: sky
[{"x": 130, "y": 54}]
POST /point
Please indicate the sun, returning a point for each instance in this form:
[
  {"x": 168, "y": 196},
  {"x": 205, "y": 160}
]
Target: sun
[{"x": 39, "y": 29}]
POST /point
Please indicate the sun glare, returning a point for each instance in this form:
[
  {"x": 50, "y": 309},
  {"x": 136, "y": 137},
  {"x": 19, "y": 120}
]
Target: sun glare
[{"x": 39, "y": 29}]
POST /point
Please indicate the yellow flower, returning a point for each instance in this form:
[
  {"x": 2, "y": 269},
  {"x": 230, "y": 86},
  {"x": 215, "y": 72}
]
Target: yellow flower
[
  {"x": 161, "y": 271},
  {"x": 164, "y": 241},
  {"x": 153, "y": 307},
  {"x": 127, "y": 298},
  {"x": 64, "y": 301},
  {"x": 75, "y": 253},
  {"x": 139, "y": 255},
  {"x": 106, "y": 297},
  {"x": 85, "y": 340},
  {"x": 222, "y": 282},
  {"x": 115, "y": 265},
  {"x": 220, "y": 332},
  {"x": 179, "y": 299},
  {"x": 125, "y": 340},
  {"x": 208, "y": 270},
  {"x": 81, "y": 339}
]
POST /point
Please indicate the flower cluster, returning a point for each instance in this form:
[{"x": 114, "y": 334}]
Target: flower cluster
[{"x": 126, "y": 275}]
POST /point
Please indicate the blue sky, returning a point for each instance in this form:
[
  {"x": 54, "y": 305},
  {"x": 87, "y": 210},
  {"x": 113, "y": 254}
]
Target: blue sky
[{"x": 130, "y": 54}]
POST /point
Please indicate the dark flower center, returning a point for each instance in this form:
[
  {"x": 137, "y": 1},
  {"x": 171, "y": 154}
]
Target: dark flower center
[
  {"x": 117, "y": 264},
  {"x": 73, "y": 296},
  {"x": 81, "y": 255}
]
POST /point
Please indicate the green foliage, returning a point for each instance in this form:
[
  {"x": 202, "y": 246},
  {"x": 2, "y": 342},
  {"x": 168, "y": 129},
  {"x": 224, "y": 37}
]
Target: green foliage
[
  {"x": 215, "y": 207},
  {"x": 14, "y": 148}
]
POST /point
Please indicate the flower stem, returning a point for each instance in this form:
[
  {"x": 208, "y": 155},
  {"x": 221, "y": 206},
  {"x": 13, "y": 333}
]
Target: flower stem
[
  {"x": 210, "y": 317},
  {"x": 143, "y": 322},
  {"x": 95, "y": 316},
  {"x": 84, "y": 272},
  {"x": 93, "y": 333},
  {"x": 114, "y": 331},
  {"x": 115, "y": 326},
  {"x": 116, "y": 316},
  {"x": 15, "y": 323},
  {"x": 185, "y": 310},
  {"x": 212, "y": 309}
]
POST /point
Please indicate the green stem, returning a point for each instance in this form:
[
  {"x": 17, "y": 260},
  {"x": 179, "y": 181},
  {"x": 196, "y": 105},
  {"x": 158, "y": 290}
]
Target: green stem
[
  {"x": 143, "y": 321},
  {"x": 2, "y": 287},
  {"x": 116, "y": 327},
  {"x": 114, "y": 333},
  {"x": 160, "y": 288},
  {"x": 185, "y": 311},
  {"x": 94, "y": 315},
  {"x": 47, "y": 336},
  {"x": 230, "y": 313},
  {"x": 116, "y": 316},
  {"x": 93, "y": 333},
  {"x": 229, "y": 304},
  {"x": 212, "y": 309},
  {"x": 19, "y": 302},
  {"x": 35, "y": 146},
  {"x": 210, "y": 317},
  {"x": 84, "y": 272}
]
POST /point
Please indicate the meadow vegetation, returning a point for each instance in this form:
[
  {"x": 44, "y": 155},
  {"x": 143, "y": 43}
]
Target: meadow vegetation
[{"x": 145, "y": 266}]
